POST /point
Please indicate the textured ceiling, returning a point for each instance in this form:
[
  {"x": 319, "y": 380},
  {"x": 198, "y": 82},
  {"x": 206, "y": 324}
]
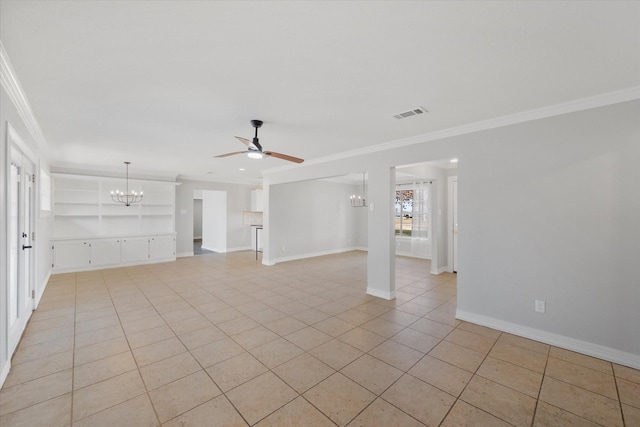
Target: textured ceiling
[{"x": 167, "y": 85}]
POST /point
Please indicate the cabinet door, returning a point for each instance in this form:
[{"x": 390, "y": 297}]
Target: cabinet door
[
  {"x": 135, "y": 249},
  {"x": 163, "y": 247},
  {"x": 70, "y": 254},
  {"x": 105, "y": 252}
]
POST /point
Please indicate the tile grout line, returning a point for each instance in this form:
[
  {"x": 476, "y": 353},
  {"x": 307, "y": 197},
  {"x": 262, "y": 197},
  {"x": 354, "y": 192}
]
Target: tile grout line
[
  {"x": 615, "y": 381},
  {"x": 474, "y": 373},
  {"x": 73, "y": 349},
  {"x": 544, "y": 372}
]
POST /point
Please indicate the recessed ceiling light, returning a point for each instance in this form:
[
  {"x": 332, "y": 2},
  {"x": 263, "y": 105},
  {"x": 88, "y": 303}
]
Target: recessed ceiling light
[
  {"x": 241, "y": 169},
  {"x": 209, "y": 172},
  {"x": 454, "y": 160}
]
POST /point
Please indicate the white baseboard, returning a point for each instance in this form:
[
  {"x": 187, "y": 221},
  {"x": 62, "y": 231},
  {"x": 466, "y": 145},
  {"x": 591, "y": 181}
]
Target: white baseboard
[
  {"x": 381, "y": 294},
  {"x": 440, "y": 270},
  {"x": 43, "y": 286},
  {"x": 4, "y": 372},
  {"x": 242, "y": 248},
  {"x": 312, "y": 255},
  {"x": 409, "y": 255},
  {"x": 579, "y": 346},
  {"x": 361, "y": 248},
  {"x": 268, "y": 263},
  {"x": 184, "y": 254},
  {"x": 110, "y": 266},
  {"x": 223, "y": 250}
]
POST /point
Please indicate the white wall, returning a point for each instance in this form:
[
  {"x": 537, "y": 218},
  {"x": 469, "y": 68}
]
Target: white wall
[
  {"x": 197, "y": 218},
  {"x": 238, "y": 200},
  {"x": 314, "y": 217},
  {"x": 214, "y": 224},
  {"x": 548, "y": 209}
]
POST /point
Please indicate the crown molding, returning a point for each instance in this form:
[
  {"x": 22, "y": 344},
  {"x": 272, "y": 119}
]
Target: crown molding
[
  {"x": 73, "y": 170},
  {"x": 581, "y": 104},
  {"x": 12, "y": 86},
  {"x": 219, "y": 180}
]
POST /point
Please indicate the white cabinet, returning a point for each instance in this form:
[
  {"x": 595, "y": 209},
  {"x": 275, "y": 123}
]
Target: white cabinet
[
  {"x": 257, "y": 203},
  {"x": 104, "y": 252},
  {"x": 70, "y": 255},
  {"x": 162, "y": 247},
  {"x": 89, "y": 254},
  {"x": 135, "y": 249}
]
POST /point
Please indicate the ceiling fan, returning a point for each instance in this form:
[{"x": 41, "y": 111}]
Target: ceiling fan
[{"x": 254, "y": 149}]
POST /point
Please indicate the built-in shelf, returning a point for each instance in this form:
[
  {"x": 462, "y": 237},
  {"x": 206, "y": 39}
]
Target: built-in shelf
[{"x": 82, "y": 206}]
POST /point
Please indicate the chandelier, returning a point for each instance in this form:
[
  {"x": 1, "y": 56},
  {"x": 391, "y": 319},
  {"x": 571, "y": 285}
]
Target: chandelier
[
  {"x": 358, "y": 201},
  {"x": 127, "y": 198}
]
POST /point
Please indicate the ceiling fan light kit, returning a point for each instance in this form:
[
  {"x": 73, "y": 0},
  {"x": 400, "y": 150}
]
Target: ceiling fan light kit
[{"x": 254, "y": 149}]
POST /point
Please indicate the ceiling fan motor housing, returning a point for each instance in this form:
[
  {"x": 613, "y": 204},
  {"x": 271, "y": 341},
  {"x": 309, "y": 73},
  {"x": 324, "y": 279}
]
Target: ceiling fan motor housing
[{"x": 256, "y": 124}]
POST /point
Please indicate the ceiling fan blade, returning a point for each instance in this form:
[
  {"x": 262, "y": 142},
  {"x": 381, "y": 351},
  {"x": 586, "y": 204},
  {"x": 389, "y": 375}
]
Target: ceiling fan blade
[
  {"x": 231, "y": 154},
  {"x": 283, "y": 156},
  {"x": 248, "y": 143}
]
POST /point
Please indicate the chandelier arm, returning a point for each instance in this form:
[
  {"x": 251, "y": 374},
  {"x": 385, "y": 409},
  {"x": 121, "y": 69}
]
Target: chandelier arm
[{"x": 126, "y": 198}]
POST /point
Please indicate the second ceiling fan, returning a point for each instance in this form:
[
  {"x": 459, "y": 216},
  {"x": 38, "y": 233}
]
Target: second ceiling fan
[{"x": 254, "y": 149}]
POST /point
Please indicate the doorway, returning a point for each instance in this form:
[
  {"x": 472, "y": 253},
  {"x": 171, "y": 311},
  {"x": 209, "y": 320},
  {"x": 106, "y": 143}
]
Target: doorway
[
  {"x": 197, "y": 224},
  {"x": 20, "y": 301},
  {"x": 417, "y": 212}
]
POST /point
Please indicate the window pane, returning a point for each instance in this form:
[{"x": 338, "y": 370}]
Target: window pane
[
  {"x": 412, "y": 211},
  {"x": 420, "y": 217},
  {"x": 45, "y": 191},
  {"x": 398, "y": 218},
  {"x": 407, "y": 211}
]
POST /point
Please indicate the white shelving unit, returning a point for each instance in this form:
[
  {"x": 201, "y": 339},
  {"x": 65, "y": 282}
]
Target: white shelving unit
[{"x": 92, "y": 231}]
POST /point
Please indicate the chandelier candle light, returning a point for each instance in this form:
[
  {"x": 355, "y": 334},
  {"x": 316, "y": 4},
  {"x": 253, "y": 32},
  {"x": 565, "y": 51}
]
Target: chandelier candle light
[
  {"x": 126, "y": 198},
  {"x": 358, "y": 201}
]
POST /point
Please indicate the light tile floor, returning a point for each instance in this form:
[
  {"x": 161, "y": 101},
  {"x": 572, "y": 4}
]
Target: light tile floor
[{"x": 222, "y": 340}]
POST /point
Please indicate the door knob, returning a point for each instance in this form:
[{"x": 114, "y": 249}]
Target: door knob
[{"x": 26, "y": 247}]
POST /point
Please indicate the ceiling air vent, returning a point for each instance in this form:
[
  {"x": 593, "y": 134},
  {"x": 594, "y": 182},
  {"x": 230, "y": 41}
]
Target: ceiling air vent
[{"x": 414, "y": 112}]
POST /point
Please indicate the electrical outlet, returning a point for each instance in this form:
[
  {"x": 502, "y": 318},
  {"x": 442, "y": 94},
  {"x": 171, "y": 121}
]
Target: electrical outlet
[
  {"x": 283, "y": 249},
  {"x": 540, "y": 306}
]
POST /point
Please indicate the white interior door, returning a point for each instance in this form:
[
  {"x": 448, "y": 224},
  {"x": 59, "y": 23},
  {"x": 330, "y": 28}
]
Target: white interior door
[{"x": 20, "y": 300}]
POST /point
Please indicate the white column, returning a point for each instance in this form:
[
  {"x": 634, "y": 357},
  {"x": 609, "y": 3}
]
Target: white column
[
  {"x": 381, "y": 263},
  {"x": 266, "y": 221}
]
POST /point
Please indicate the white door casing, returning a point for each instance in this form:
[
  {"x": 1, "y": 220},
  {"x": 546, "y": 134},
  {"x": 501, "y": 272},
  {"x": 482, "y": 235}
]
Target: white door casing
[
  {"x": 452, "y": 224},
  {"x": 455, "y": 226}
]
